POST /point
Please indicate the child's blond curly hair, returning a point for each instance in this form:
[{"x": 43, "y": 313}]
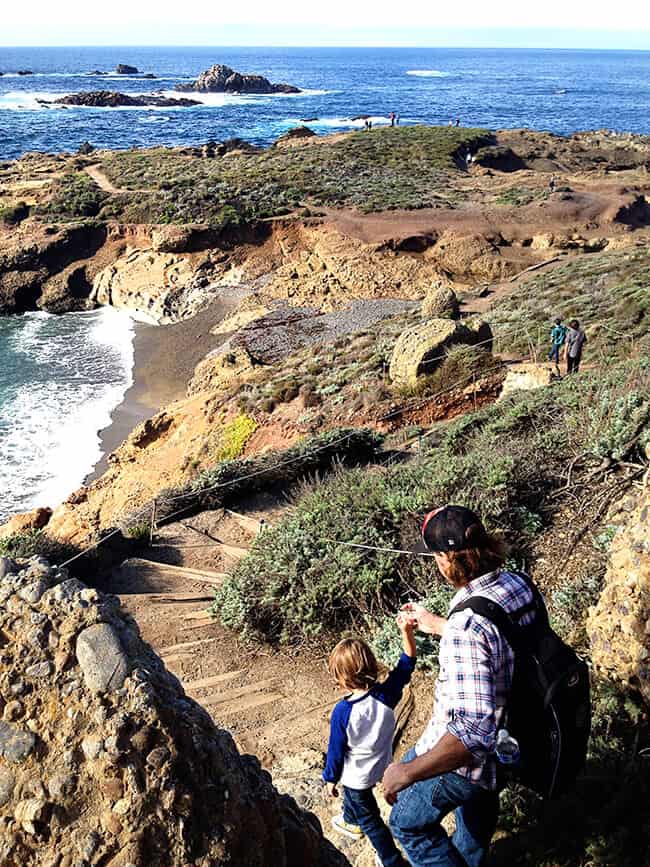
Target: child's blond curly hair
[{"x": 352, "y": 664}]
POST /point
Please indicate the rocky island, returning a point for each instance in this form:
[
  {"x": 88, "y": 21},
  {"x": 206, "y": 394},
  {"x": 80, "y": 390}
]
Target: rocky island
[
  {"x": 113, "y": 99},
  {"x": 223, "y": 79},
  {"x": 356, "y": 327}
]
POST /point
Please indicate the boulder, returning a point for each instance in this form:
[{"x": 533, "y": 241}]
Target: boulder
[
  {"x": 26, "y": 522},
  {"x": 223, "y": 79},
  {"x": 101, "y": 658},
  {"x": 15, "y": 743},
  {"x": 140, "y": 775},
  {"x": 618, "y": 625},
  {"x": 421, "y": 348},
  {"x": 469, "y": 257},
  {"x": 527, "y": 376},
  {"x": 171, "y": 239},
  {"x": 440, "y": 303}
]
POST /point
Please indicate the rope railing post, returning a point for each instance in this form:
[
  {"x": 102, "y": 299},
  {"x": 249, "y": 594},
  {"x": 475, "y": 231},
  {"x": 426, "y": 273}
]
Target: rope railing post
[{"x": 153, "y": 522}]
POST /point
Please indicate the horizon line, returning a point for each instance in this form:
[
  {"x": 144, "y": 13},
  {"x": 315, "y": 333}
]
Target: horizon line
[{"x": 523, "y": 47}]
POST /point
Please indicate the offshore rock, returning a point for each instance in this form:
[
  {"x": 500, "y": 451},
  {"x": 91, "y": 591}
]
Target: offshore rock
[
  {"x": 618, "y": 626},
  {"x": 125, "y": 69},
  {"x": 223, "y": 79},
  {"x": 113, "y": 99},
  {"x": 140, "y": 775}
]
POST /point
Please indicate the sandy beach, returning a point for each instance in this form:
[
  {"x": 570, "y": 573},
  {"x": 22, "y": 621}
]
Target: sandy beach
[{"x": 164, "y": 360}]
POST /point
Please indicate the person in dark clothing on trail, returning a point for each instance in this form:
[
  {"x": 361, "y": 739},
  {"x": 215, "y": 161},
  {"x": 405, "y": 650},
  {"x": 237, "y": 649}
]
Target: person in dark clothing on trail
[
  {"x": 575, "y": 340},
  {"x": 558, "y": 339}
]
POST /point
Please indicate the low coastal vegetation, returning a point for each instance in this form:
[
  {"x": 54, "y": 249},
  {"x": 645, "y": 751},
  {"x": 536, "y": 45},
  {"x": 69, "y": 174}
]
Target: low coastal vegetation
[
  {"x": 607, "y": 291},
  {"x": 507, "y": 461},
  {"x": 404, "y": 167}
]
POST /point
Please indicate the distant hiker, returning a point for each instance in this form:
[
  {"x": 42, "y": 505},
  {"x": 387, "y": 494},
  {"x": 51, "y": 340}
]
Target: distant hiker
[
  {"x": 451, "y": 123},
  {"x": 575, "y": 340},
  {"x": 457, "y": 121},
  {"x": 366, "y": 124},
  {"x": 558, "y": 338},
  {"x": 392, "y": 118},
  {"x": 551, "y": 184},
  {"x": 361, "y": 737},
  {"x": 369, "y": 124},
  {"x": 453, "y": 767},
  {"x": 397, "y": 120},
  {"x": 469, "y": 159}
]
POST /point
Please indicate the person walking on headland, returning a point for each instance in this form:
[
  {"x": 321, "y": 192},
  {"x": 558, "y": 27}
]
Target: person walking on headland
[
  {"x": 457, "y": 122},
  {"x": 469, "y": 159},
  {"x": 391, "y": 117},
  {"x": 551, "y": 184},
  {"x": 453, "y": 766},
  {"x": 361, "y": 737},
  {"x": 558, "y": 337},
  {"x": 575, "y": 340}
]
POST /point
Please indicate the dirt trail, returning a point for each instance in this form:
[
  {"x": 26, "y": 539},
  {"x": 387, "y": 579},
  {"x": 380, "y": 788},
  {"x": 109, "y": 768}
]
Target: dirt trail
[{"x": 105, "y": 184}]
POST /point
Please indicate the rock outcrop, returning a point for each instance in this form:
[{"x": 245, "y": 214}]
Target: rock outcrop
[
  {"x": 113, "y": 99},
  {"x": 223, "y": 79},
  {"x": 161, "y": 287},
  {"x": 619, "y": 624},
  {"x": 103, "y": 758},
  {"x": 527, "y": 376},
  {"x": 125, "y": 69},
  {"x": 420, "y": 349}
]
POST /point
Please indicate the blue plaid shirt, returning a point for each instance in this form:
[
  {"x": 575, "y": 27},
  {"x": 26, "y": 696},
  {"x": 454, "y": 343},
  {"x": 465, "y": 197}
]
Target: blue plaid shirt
[{"x": 476, "y": 667}]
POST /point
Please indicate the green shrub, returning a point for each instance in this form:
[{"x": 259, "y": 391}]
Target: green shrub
[
  {"x": 235, "y": 436},
  {"x": 14, "y": 214},
  {"x": 75, "y": 195},
  {"x": 505, "y": 461}
]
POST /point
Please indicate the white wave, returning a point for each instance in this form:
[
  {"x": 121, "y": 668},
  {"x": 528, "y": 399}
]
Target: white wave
[
  {"x": 342, "y": 122},
  {"x": 49, "y": 428},
  {"x": 23, "y": 100},
  {"x": 428, "y": 73}
]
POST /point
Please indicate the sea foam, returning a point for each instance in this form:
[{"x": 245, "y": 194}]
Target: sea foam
[{"x": 62, "y": 376}]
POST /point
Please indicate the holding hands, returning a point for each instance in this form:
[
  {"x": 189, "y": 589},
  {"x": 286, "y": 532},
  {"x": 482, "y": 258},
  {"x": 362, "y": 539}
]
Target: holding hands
[{"x": 419, "y": 618}]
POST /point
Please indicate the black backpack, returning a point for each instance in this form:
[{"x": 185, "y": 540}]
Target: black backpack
[{"x": 549, "y": 707}]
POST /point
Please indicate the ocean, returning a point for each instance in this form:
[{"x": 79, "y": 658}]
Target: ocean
[
  {"x": 562, "y": 91},
  {"x": 61, "y": 377}
]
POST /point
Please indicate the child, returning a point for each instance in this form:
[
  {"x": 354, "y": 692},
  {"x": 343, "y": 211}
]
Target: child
[
  {"x": 558, "y": 337},
  {"x": 361, "y": 737}
]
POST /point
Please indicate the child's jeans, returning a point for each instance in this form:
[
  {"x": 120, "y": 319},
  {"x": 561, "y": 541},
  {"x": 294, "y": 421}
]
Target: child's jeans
[{"x": 360, "y": 808}]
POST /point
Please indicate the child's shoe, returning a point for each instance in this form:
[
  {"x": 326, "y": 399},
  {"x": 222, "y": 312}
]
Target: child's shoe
[{"x": 339, "y": 824}]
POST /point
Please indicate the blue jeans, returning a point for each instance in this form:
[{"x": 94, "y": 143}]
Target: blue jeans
[
  {"x": 360, "y": 808},
  {"x": 554, "y": 354},
  {"x": 415, "y": 820}
]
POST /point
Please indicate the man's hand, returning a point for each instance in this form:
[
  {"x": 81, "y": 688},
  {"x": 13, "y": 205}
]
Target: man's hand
[
  {"x": 332, "y": 791},
  {"x": 396, "y": 778},
  {"x": 432, "y": 624}
]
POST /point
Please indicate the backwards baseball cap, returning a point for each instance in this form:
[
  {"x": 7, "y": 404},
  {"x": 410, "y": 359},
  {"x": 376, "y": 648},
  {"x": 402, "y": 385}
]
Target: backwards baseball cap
[{"x": 451, "y": 528}]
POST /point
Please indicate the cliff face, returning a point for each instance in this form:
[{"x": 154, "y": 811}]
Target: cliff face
[
  {"x": 619, "y": 625},
  {"x": 104, "y": 760}
]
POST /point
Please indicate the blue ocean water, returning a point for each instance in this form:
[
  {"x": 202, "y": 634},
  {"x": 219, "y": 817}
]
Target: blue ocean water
[{"x": 562, "y": 91}]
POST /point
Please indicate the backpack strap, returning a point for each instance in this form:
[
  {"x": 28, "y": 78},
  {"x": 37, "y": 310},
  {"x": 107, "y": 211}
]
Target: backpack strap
[
  {"x": 493, "y": 612},
  {"x": 506, "y": 622}
]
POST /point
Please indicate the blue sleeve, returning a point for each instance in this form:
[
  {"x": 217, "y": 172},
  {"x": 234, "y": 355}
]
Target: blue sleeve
[
  {"x": 390, "y": 691},
  {"x": 338, "y": 744}
]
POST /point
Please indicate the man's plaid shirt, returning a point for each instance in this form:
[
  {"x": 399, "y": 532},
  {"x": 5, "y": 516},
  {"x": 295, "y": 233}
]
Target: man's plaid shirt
[{"x": 476, "y": 667}]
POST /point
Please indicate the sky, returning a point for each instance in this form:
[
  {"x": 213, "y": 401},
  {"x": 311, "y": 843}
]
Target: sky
[{"x": 552, "y": 23}]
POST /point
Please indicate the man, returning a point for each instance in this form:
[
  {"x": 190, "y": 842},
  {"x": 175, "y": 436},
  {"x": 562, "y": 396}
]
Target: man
[
  {"x": 453, "y": 767},
  {"x": 575, "y": 340},
  {"x": 558, "y": 337}
]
